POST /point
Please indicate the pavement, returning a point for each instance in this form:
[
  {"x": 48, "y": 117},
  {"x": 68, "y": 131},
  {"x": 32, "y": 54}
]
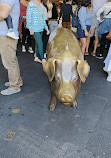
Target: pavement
[{"x": 35, "y": 132}]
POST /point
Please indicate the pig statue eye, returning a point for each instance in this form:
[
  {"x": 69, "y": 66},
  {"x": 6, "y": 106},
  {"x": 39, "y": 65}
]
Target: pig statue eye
[{"x": 75, "y": 78}]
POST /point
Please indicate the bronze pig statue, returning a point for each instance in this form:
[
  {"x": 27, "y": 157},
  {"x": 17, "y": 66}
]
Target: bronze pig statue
[{"x": 65, "y": 67}]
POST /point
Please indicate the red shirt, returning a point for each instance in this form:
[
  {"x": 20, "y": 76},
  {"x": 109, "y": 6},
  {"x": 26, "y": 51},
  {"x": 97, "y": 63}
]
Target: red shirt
[{"x": 23, "y": 9}]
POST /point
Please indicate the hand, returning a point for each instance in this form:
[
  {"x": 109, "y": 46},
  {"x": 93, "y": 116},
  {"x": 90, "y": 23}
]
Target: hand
[
  {"x": 100, "y": 21},
  {"x": 48, "y": 32},
  {"x": 31, "y": 32},
  {"x": 90, "y": 31},
  {"x": 86, "y": 33}
]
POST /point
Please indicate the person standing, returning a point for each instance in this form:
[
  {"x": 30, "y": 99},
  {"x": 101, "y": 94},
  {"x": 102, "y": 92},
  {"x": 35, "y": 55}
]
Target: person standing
[
  {"x": 36, "y": 23},
  {"x": 65, "y": 13},
  {"x": 96, "y": 5},
  {"x": 48, "y": 15},
  {"x": 104, "y": 27},
  {"x": 22, "y": 27},
  {"x": 84, "y": 25},
  {"x": 8, "y": 45},
  {"x": 54, "y": 19}
]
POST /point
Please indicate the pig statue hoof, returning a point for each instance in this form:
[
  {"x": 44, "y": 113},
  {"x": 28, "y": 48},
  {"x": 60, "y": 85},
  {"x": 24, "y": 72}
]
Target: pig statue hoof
[
  {"x": 52, "y": 107},
  {"x": 75, "y": 104}
]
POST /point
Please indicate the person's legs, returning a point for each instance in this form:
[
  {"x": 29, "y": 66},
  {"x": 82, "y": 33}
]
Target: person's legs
[
  {"x": 29, "y": 41},
  {"x": 45, "y": 40},
  {"x": 83, "y": 45},
  {"x": 68, "y": 25},
  {"x": 64, "y": 25},
  {"x": 8, "y": 54},
  {"x": 53, "y": 25},
  {"x": 87, "y": 44},
  {"x": 23, "y": 34},
  {"x": 9, "y": 22},
  {"x": 38, "y": 39},
  {"x": 95, "y": 45}
]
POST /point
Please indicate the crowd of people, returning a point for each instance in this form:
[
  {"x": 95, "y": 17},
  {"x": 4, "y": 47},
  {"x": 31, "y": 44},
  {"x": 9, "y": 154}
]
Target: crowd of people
[{"x": 34, "y": 20}]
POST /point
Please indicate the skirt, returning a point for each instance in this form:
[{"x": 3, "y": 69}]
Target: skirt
[
  {"x": 104, "y": 27},
  {"x": 80, "y": 32}
]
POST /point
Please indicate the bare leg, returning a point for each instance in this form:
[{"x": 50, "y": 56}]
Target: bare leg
[
  {"x": 52, "y": 102},
  {"x": 87, "y": 43},
  {"x": 75, "y": 104},
  {"x": 96, "y": 44},
  {"x": 83, "y": 45}
]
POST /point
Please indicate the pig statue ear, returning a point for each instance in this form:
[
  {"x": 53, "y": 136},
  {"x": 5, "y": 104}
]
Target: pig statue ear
[
  {"x": 49, "y": 68},
  {"x": 83, "y": 69}
]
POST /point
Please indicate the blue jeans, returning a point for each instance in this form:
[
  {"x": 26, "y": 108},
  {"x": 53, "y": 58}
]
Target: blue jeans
[
  {"x": 9, "y": 22},
  {"x": 38, "y": 45},
  {"x": 53, "y": 25}
]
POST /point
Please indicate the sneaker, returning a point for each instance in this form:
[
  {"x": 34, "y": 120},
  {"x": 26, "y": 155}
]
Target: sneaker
[
  {"x": 12, "y": 35},
  {"x": 7, "y": 84},
  {"x": 10, "y": 91},
  {"x": 86, "y": 53},
  {"x": 45, "y": 55},
  {"x": 93, "y": 54},
  {"x": 99, "y": 56},
  {"x": 109, "y": 78},
  {"x": 30, "y": 50},
  {"x": 23, "y": 48},
  {"x": 104, "y": 69}
]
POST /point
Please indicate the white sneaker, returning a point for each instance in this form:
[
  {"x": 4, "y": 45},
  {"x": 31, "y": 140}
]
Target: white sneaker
[
  {"x": 30, "y": 50},
  {"x": 109, "y": 78},
  {"x": 45, "y": 55},
  {"x": 104, "y": 69},
  {"x": 7, "y": 84},
  {"x": 23, "y": 48},
  {"x": 10, "y": 91},
  {"x": 12, "y": 35}
]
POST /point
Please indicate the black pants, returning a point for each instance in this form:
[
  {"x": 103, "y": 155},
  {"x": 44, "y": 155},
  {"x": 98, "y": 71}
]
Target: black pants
[
  {"x": 104, "y": 41},
  {"x": 45, "y": 39},
  {"x": 26, "y": 32},
  {"x": 9, "y": 22}
]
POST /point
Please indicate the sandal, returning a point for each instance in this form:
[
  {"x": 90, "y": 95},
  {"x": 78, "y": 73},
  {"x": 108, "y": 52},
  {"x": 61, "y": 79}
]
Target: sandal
[{"x": 37, "y": 60}]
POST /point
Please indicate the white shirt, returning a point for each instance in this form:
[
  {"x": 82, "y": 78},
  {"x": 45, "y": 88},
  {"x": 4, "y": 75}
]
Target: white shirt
[
  {"x": 47, "y": 14},
  {"x": 106, "y": 10}
]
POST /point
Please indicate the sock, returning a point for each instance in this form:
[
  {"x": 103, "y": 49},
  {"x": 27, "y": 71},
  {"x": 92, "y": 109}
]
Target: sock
[{"x": 10, "y": 30}]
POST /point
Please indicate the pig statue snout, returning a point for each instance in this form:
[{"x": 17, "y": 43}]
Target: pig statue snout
[
  {"x": 66, "y": 98},
  {"x": 66, "y": 95}
]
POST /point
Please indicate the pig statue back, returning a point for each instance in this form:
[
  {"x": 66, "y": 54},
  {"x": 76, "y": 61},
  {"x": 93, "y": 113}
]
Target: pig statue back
[{"x": 65, "y": 67}]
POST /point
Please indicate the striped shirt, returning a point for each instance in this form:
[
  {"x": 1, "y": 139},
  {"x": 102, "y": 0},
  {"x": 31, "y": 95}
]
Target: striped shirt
[{"x": 33, "y": 18}]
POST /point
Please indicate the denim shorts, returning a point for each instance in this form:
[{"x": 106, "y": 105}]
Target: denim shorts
[{"x": 80, "y": 32}]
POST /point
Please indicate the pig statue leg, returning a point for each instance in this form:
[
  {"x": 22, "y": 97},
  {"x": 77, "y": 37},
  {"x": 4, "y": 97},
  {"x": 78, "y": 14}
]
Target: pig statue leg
[
  {"x": 75, "y": 104},
  {"x": 52, "y": 103}
]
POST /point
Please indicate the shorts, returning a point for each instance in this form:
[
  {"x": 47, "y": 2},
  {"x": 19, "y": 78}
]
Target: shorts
[
  {"x": 94, "y": 32},
  {"x": 80, "y": 32}
]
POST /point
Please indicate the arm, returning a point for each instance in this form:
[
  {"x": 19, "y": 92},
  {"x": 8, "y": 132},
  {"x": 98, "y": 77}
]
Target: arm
[
  {"x": 82, "y": 17},
  {"x": 45, "y": 25},
  {"x": 100, "y": 11},
  {"x": 28, "y": 18},
  {"x": 5, "y": 9}
]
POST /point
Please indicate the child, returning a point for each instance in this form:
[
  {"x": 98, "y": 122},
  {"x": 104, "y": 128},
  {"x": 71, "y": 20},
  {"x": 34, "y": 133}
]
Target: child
[
  {"x": 10, "y": 28},
  {"x": 107, "y": 67}
]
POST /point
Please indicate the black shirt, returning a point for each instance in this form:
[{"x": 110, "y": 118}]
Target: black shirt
[{"x": 66, "y": 11}]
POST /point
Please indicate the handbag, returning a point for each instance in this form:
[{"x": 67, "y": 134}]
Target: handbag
[
  {"x": 109, "y": 35},
  {"x": 75, "y": 19}
]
